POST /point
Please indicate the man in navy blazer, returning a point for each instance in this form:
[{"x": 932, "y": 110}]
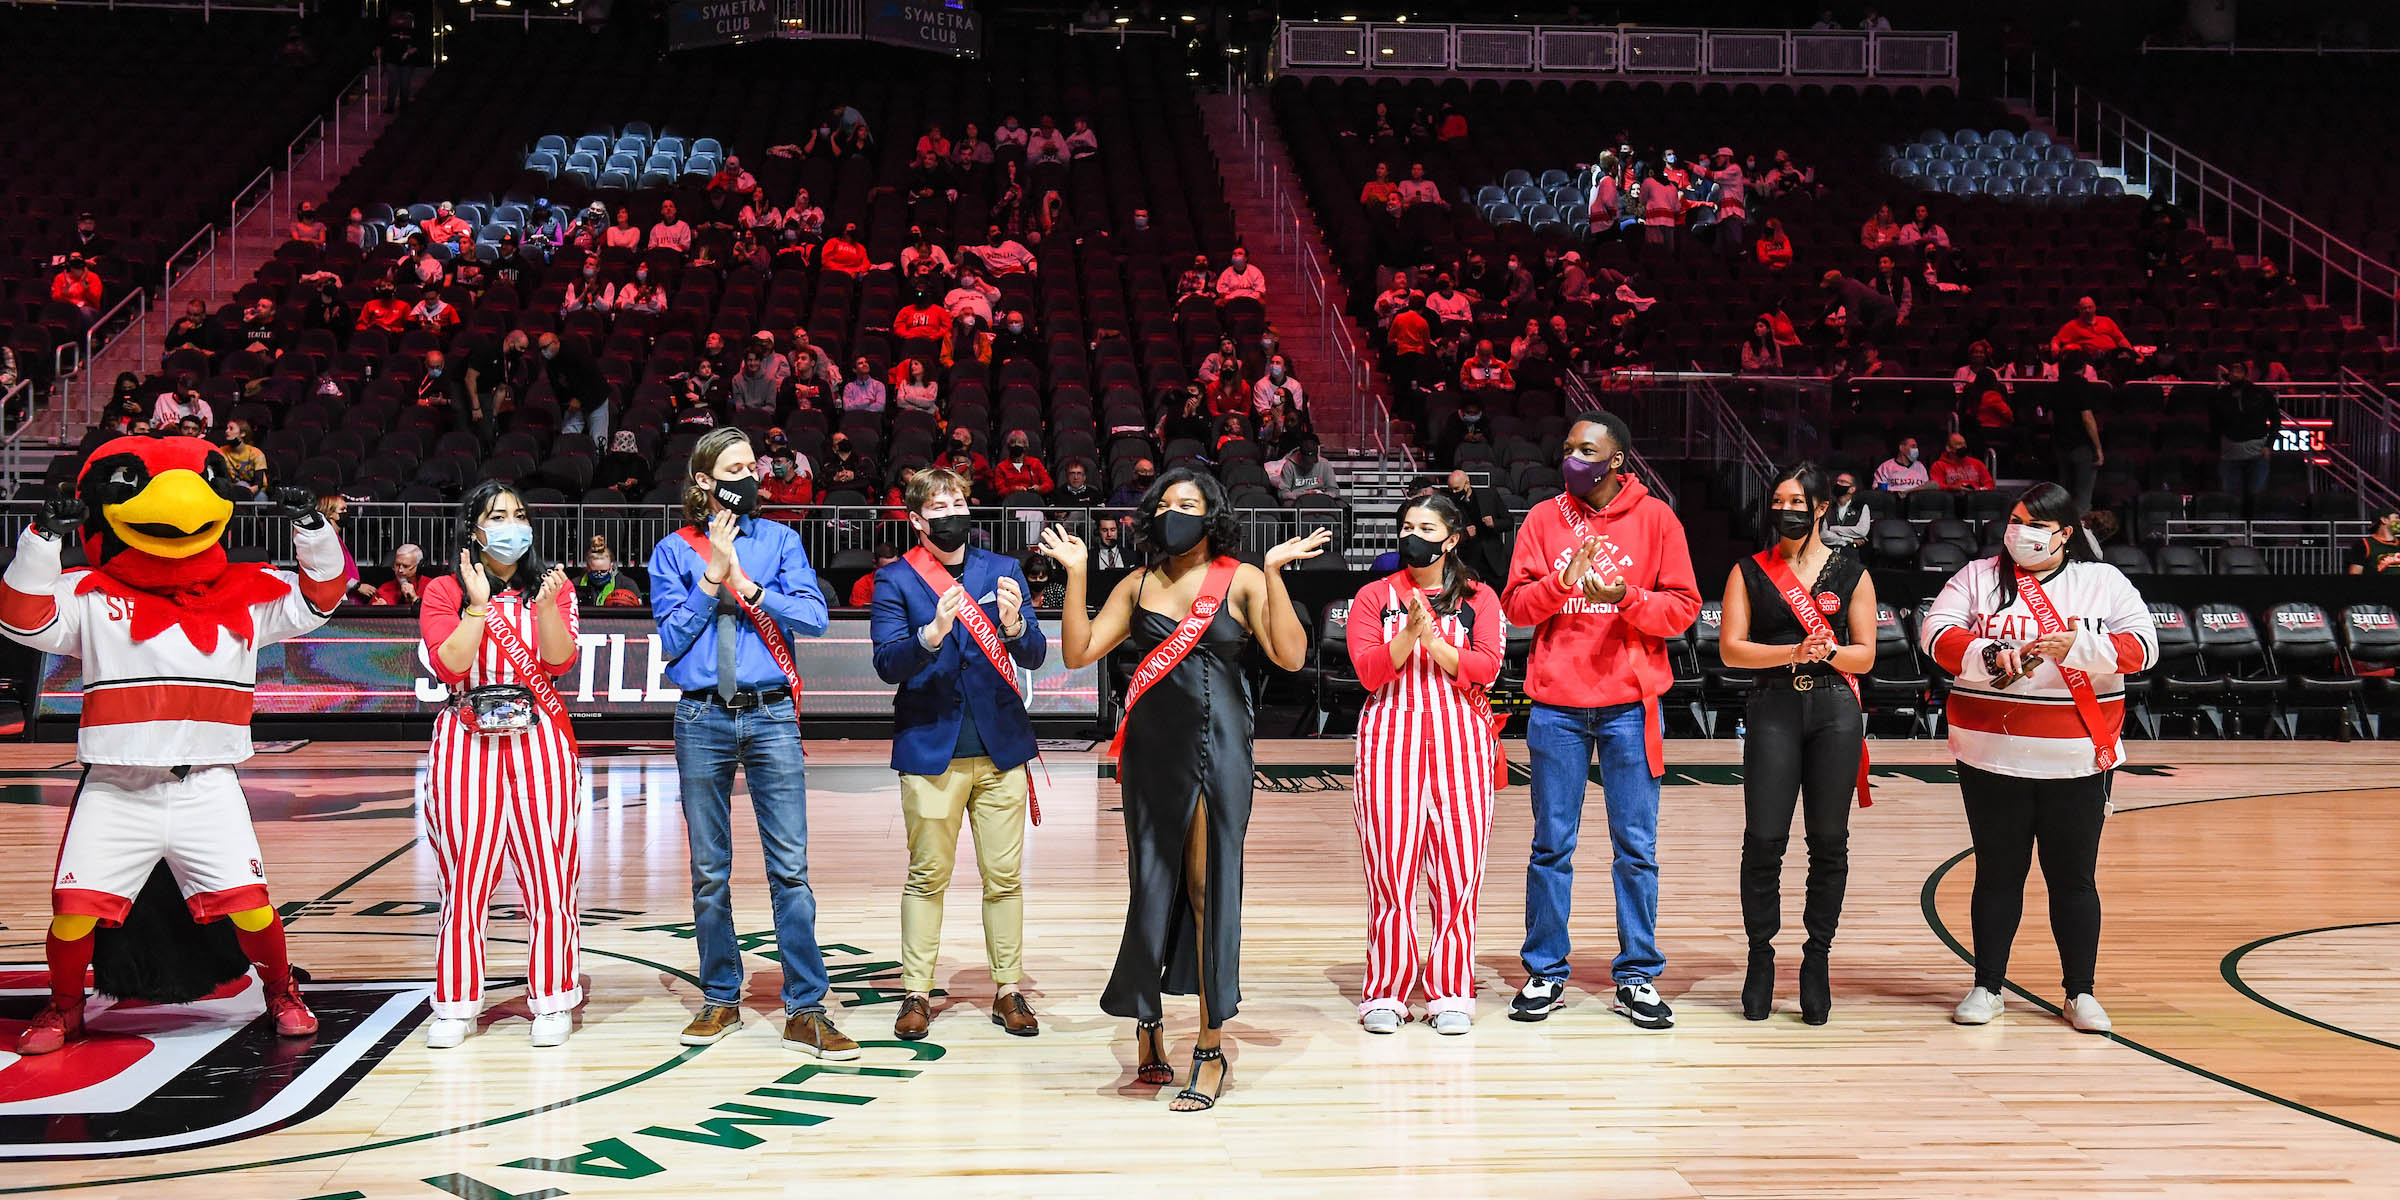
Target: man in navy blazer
[{"x": 960, "y": 738}]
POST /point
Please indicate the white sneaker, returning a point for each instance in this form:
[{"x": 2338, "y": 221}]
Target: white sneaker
[
  {"x": 551, "y": 1029},
  {"x": 1980, "y": 1006},
  {"x": 1381, "y": 1020},
  {"x": 443, "y": 1033},
  {"x": 1451, "y": 1022},
  {"x": 2086, "y": 1015},
  {"x": 1538, "y": 999}
]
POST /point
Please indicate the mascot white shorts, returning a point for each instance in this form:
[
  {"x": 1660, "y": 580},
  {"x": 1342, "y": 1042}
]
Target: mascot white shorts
[{"x": 127, "y": 819}]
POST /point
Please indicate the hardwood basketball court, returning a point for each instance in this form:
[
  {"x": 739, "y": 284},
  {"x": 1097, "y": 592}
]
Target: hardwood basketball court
[{"x": 2251, "y": 961}]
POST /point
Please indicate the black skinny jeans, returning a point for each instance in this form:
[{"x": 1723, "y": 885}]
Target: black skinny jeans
[
  {"x": 1799, "y": 748},
  {"x": 2012, "y": 819}
]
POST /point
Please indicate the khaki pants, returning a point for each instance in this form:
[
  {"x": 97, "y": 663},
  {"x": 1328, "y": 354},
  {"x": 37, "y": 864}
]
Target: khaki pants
[{"x": 934, "y": 806}]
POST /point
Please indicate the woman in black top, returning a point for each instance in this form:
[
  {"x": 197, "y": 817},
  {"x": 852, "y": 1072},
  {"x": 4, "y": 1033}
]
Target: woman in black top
[{"x": 1804, "y": 737}]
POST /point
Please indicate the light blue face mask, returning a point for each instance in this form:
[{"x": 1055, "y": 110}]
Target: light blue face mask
[{"x": 507, "y": 541}]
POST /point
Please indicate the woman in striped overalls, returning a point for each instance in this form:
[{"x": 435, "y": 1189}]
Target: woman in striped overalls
[
  {"x": 1426, "y": 642},
  {"x": 502, "y": 780}
]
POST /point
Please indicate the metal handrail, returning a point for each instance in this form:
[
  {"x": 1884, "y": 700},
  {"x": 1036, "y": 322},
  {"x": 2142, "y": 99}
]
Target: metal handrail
[
  {"x": 95, "y": 344},
  {"x": 1621, "y": 52},
  {"x": 12, "y": 437},
  {"x": 169, "y": 276},
  {"x": 235, "y": 215}
]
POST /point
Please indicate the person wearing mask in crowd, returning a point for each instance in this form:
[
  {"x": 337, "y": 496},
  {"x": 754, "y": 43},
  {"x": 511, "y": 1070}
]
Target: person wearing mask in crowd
[
  {"x": 1145, "y": 473},
  {"x": 1486, "y": 376},
  {"x": 502, "y": 779},
  {"x": 1902, "y": 472},
  {"x": 1304, "y": 473},
  {"x": 1275, "y": 386},
  {"x": 1483, "y": 529},
  {"x": 1603, "y": 575},
  {"x": 1893, "y": 284},
  {"x": 2039, "y": 639},
  {"x": 603, "y": 583},
  {"x": 785, "y": 484},
  {"x": 407, "y": 584},
  {"x": 1958, "y": 471},
  {"x": 848, "y": 469},
  {"x": 949, "y": 626},
  {"x": 1018, "y": 470},
  {"x": 384, "y": 310},
  {"x": 2247, "y": 419},
  {"x": 1048, "y": 591},
  {"x": 728, "y": 592},
  {"x": 1801, "y": 616},
  {"x": 1184, "y": 753},
  {"x": 1847, "y": 517},
  {"x": 1426, "y": 642},
  {"x": 247, "y": 462},
  {"x": 578, "y": 386},
  {"x": 2378, "y": 553},
  {"x": 1241, "y": 280}
]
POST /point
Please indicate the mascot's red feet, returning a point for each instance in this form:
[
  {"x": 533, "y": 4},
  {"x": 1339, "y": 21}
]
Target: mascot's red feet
[
  {"x": 55, "y": 1026},
  {"x": 292, "y": 1018}
]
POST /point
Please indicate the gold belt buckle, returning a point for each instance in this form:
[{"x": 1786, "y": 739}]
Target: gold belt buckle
[{"x": 1802, "y": 683}]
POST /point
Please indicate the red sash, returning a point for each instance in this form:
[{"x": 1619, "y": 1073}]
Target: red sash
[
  {"x": 2103, "y": 731},
  {"x": 1811, "y": 618},
  {"x": 986, "y": 637},
  {"x": 1654, "y": 746},
  {"x": 1213, "y": 590},
  {"x": 768, "y": 631},
  {"x": 537, "y": 680},
  {"x": 1478, "y": 697}
]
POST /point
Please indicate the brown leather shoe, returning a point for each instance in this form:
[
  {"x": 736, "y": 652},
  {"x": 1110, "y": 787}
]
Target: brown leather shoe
[
  {"x": 1011, "y": 1012},
  {"x": 813, "y": 1033},
  {"x": 916, "y": 1013},
  {"x": 715, "y": 1023}
]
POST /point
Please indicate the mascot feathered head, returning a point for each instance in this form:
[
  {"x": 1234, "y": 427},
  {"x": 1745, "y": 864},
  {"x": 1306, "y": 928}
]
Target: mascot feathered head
[{"x": 155, "y": 511}]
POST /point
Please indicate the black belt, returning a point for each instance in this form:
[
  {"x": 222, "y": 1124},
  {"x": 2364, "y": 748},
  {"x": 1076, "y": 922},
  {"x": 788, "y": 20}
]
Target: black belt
[{"x": 748, "y": 698}]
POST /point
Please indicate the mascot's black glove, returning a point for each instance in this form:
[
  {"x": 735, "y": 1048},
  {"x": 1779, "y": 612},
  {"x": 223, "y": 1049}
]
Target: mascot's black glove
[
  {"x": 61, "y": 516},
  {"x": 298, "y": 505}
]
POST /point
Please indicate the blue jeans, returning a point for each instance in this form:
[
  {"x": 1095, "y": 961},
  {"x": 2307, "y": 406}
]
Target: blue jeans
[
  {"x": 2243, "y": 477},
  {"x": 709, "y": 740},
  {"x": 1561, "y": 742}
]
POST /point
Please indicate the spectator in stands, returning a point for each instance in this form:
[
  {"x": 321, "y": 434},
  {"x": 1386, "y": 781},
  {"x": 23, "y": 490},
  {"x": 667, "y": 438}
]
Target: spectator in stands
[
  {"x": 87, "y": 239},
  {"x": 1902, "y": 473},
  {"x": 467, "y": 271},
  {"x": 2378, "y": 553},
  {"x": 1380, "y": 190},
  {"x": 402, "y": 588},
  {"x": 440, "y": 390},
  {"x": 971, "y": 296},
  {"x": 335, "y": 507},
  {"x": 2075, "y": 428},
  {"x": 1010, "y": 133},
  {"x": 622, "y": 233},
  {"x": 971, "y": 153},
  {"x": 1082, "y": 143},
  {"x": 397, "y": 56},
  {"x": 1018, "y": 470},
  {"x": 246, "y": 461},
  {"x": 2247, "y": 420},
  {"x": 433, "y": 314},
  {"x": 1522, "y": 345},
  {"x": 1881, "y": 231},
  {"x": 545, "y": 230},
  {"x": 1225, "y": 358},
  {"x": 1866, "y": 315},
  {"x": 603, "y": 583},
  {"x": 1003, "y": 255},
  {"x": 307, "y": 227},
  {"x": 192, "y": 331},
  {"x": 1108, "y": 547},
  {"x": 1136, "y": 485},
  {"x": 1958, "y": 471},
  {"x": 1893, "y": 284},
  {"x": 623, "y": 469},
  {"x": 78, "y": 284},
  {"x": 1984, "y": 402},
  {"x": 1788, "y": 178},
  {"x": 2089, "y": 333},
  {"x": 1451, "y": 125},
  {"x": 671, "y": 232},
  {"x": 1075, "y": 488},
  {"x": 587, "y": 292},
  {"x": 1921, "y": 234},
  {"x": 862, "y": 593},
  {"x": 1303, "y": 473},
  {"x": 576, "y": 384},
  {"x": 1277, "y": 386},
  {"x": 1047, "y": 145},
  {"x": 643, "y": 295},
  {"x": 1662, "y": 208},
  {"x": 1451, "y": 308},
  {"x": 915, "y": 389},
  {"x": 846, "y": 254},
  {"x": 864, "y": 392},
  {"x": 1847, "y": 518},
  {"x": 750, "y": 389},
  {"x": 448, "y": 226},
  {"x": 1761, "y": 354},
  {"x": 784, "y": 483},
  {"x": 356, "y": 231},
  {"x": 259, "y": 333},
  {"x": 511, "y": 270},
  {"x": 1775, "y": 247},
  {"x": 384, "y": 310},
  {"x": 403, "y": 229},
  {"x": 1241, "y": 280},
  {"x": 1485, "y": 376},
  {"x": 1826, "y": 22},
  {"x": 421, "y": 265},
  {"x": 1417, "y": 189}
]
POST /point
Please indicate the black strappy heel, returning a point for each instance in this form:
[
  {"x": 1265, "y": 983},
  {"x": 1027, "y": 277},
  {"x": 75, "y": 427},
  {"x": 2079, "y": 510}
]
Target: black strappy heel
[
  {"x": 1207, "y": 1100},
  {"x": 1156, "y": 1074}
]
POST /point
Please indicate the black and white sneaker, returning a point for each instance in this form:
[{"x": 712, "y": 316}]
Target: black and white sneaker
[
  {"x": 1641, "y": 1005},
  {"x": 1539, "y": 999}
]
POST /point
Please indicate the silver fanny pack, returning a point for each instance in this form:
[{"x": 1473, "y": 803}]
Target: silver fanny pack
[{"x": 501, "y": 708}]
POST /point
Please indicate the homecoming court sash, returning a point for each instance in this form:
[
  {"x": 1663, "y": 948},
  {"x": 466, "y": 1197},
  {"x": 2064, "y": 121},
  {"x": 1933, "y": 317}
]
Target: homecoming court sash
[
  {"x": 2104, "y": 732},
  {"x": 1213, "y": 590},
  {"x": 986, "y": 636},
  {"x": 1812, "y": 619},
  {"x": 521, "y": 660},
  {"x": 768, "y": 631}
]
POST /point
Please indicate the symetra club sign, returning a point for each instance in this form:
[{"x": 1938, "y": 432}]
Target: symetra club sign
[
  {"x": 719, "y": 22},
  {"x": 925, "y": 25}
]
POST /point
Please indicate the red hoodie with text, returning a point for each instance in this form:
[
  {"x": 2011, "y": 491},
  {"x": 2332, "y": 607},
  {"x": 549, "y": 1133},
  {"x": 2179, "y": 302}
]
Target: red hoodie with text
[{"x": 1588, "y": 655}]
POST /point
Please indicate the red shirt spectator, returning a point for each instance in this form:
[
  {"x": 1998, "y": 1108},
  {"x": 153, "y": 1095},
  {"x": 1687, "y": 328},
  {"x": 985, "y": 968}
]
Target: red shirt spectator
[
  {"x": 2089, "y": 332},
  {"x": 862, "y": 593},
  {"x": 384, "y": 312},
  {"x": 78, "y": 285},
  {"x": 1958, "y": 471},
  {"x": 1411, "y": 333},
  {"x": 928, "y": 321},
  {"x": 844, "y": 254},
  {"x": 777, "y": 489},
  {"x": 1775, "y": 249},
  {"x": 1018, "y": 471}
]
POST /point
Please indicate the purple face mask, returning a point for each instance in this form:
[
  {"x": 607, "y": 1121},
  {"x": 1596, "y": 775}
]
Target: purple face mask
[{"x": 1582, "y": 475}]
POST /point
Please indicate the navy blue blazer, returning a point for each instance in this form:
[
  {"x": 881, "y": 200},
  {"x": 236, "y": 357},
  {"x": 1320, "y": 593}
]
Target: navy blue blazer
[{"x": 934, "y": 684}]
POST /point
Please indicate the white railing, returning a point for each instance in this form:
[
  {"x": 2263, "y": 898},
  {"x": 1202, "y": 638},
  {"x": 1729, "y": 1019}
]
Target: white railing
[
  {"x": 16, "y": 416},
  {"x": 2287, "y": 547},
  {"x": 1624, "y": 52},
  {"x": 2219, "y": 203}
]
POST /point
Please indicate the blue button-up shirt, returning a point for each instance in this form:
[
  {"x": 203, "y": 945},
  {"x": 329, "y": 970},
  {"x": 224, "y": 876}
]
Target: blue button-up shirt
[{"x": 771, "y": 555}]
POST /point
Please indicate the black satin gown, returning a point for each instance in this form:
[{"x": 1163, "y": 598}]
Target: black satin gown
[{"x": 1188, "y": 739}]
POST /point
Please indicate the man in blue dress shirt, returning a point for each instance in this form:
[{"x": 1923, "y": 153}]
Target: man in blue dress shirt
[
  {"x": 712, "y": 585},
  {"x": 951, "y": 628}
]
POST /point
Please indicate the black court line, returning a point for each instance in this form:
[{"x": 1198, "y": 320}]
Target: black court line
[
  {"x": 354, "y": 880},
  {"x": 1933, "y": 919},
  {"x": 2233, "y": 977}
]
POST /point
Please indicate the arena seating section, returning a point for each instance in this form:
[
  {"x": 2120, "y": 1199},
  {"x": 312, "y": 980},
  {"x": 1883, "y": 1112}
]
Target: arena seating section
[
  {"x": 476, "y": 135},
  {"x": 89, "y": 128}
]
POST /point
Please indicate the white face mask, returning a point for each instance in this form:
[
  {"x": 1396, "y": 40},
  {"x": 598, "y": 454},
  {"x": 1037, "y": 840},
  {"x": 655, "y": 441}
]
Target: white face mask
[{"x": 2027, "y": 545}]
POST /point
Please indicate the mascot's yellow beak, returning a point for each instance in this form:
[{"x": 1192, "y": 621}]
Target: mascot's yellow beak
[{"x": 176, "y": 516}]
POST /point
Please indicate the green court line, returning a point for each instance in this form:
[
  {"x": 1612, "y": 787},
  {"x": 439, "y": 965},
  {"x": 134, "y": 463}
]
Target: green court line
[{"x": 2233, "y": 977}]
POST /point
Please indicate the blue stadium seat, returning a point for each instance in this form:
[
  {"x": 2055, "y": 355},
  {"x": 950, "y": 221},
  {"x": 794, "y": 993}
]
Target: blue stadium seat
[
  {"x": 662, "y": 163},
  {"x": 624, "y": 162},
  {"x": 1907, "y": 168},
  {"x": 2003, "y": 186},
  {"x": 545, "y": 163},
  {"x": 668, "y": 145},
  {"x": 1918, "y": 152},
  {"x": 2036, "y": 138},
  {"x": 1552, "y": 178},
  {"x": 1488, "y": 195},
  {"x": 583, "y": 160},
  {"x": 1966, "y": 137},
  {"x": 640, "y": 129},
  {"x": 617, "y": 177},
  {"x": 2000, "y": 137},
  {"x": 1934, "y": 137},
  {"x": 1940, "y": 168},
  {"x": 594, "y": 144},
  {"x": 707, "y": 146},
  {"x": 2108, "y": 186},
  {"x": 551, "y": 143},
  {"x": 654, "y": 177}
]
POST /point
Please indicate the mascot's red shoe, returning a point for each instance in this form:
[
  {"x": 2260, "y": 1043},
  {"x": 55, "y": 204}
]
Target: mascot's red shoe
[
  {"x": 55, "y": 1026},
  {"x": 292, "y": 1018}
]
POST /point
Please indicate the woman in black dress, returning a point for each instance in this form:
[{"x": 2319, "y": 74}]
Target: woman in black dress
[
  {"x": 1185, "y": 771},
  {"x": 1803, "y": 738}
]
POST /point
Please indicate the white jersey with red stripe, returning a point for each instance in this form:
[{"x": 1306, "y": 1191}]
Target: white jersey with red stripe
[
  {"x": 161, "y": 702},
  {"x": 2032, "y": 730}
]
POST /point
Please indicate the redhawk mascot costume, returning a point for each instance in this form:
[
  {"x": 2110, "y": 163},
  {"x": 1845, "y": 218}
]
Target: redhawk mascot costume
[{"x": 168, "y": 632}]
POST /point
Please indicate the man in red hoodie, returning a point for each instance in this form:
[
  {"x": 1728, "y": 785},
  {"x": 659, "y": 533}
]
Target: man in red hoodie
[{"x": 1604, "y": 577}]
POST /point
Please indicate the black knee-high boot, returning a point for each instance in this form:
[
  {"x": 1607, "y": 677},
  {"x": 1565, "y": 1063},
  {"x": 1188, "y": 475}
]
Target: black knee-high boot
[{"x": 1762, "y": 918}]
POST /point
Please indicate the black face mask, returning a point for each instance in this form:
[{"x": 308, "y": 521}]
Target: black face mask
[
  {"x": 947, "y": 532},
  {"x": 1418, "y": 551},
  {"x": 1791, "y": 522},
  {"x": 739, "y": 495},
  {"x": 1178, "y": 532}
]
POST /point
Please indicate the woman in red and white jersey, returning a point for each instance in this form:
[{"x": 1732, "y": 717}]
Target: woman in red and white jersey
[
  {"x": 1426, "y": 643},
  {"x": 2040, "y": 639},
  {"x": 502, "y": 779}
]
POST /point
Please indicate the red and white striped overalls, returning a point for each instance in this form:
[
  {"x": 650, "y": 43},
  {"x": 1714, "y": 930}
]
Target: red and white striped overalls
[
  {"x": 1423, "y": 796},
  {"x": 489, "y": 796}
]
